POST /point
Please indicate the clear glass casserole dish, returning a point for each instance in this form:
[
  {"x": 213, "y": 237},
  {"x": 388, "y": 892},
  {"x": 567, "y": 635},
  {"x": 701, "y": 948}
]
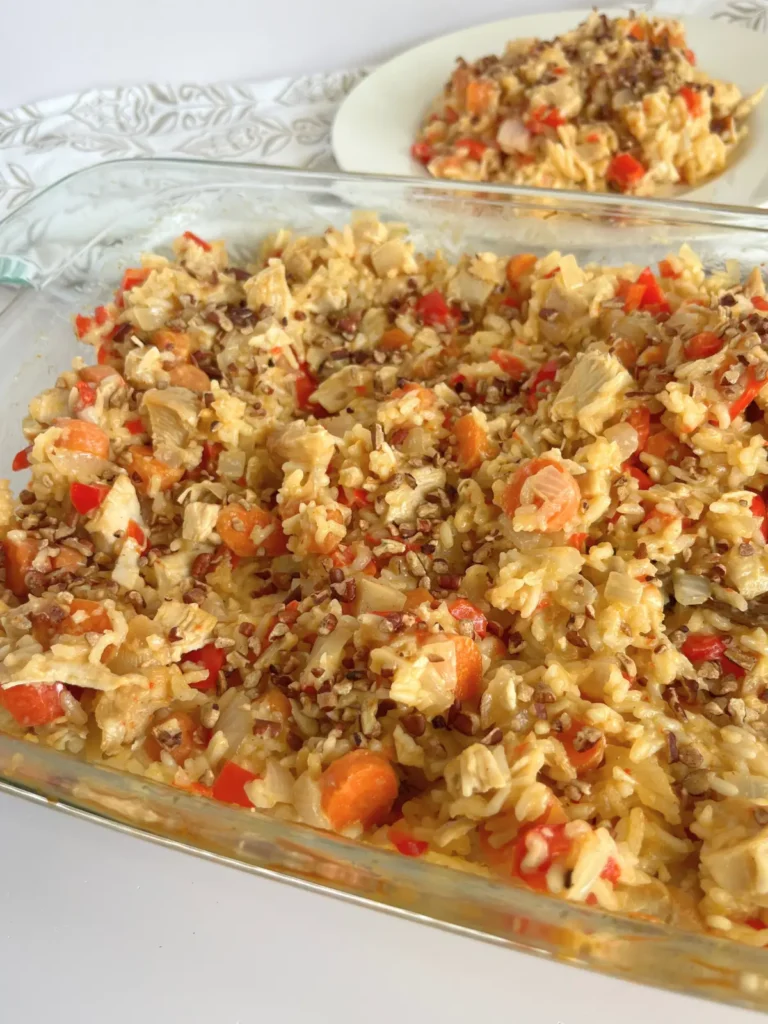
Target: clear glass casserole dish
[{"x": 67, "y": 248}]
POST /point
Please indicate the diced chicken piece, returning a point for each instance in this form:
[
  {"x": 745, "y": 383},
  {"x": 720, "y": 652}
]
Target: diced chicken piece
[
  {"x": 145, "y": 368},
  {"x": 478, "y": 769},
  {"x": 339, "y": 390},
  {"x": 119, "y": 508},
  {"x": 591, "y": 393},
  {"x": 173, "y": 416},
  {"x": 185, "y": 627},
  {"x": 199, "y": 521},
  {"x": 270, "y": 288},
  {"x": 73, "y": 670},
  {"x": 50, "y": 405}
]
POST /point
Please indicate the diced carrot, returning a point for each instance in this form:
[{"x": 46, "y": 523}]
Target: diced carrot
[
  {"x": 427, "y": 396},
  {"x": 703, "y": 345},
  {"x": 520, "y": 265},
  {"x": 82, "y": 436},
  {"x": 177, "y": 733},
  {"x": 33, "y": 704},
  {"x": 191, "y": 377},
  {"x": 236, "y": 523},
  {"x": 625, "y": 352},
  {"x": 416, "y": 597},
  {"x": 480, "y": 96},
  {"x": 19, "y": 556},
  {"x": 85, "y": 617},
  {"x": 469, "y": 663},
  {"x": 636, "y": 31},
  {"x": 69, "y": 558},
  {"x": 666, "y": 269},
  {"x": 394, "y": 339},
  {"x": 510, "y": 858},
  {"x": 473, "y": 446},
  {"x": 177, "y": 342},
  {"x": 148, "y": 473},
  {"x": 559, "y": 510},
  {"x": 511, "y": 365},
  {"x": 360, "y": 786},
  {"x": 589, "y": 757},
  {"x": 640, "y": 419},
  {"x": 667, "y": 446}
]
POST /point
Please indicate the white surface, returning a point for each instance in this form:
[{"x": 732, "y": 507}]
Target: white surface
[
  {"x": 96, "y": 926},
  {"x": 79, "y": 904},
  {"x": 378, "y": 121},
  {"x": 52, "y": 48}
]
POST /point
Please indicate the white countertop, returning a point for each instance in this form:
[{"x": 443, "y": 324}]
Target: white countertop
[{"x": 97, "y": 926}]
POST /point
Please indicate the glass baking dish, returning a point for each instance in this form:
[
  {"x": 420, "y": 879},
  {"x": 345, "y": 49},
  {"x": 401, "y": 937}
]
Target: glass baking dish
[{"x": 67, "y": 248}]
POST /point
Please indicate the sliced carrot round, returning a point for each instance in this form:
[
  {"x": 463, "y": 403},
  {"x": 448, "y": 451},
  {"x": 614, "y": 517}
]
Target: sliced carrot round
[
  {"x": 360, "y": 787},
  {"x": 559, "y": 504},
  {"x": 85, "y": 617},
  {"x": 236, "y": 523},
  {"x": 178, "y": 733},
  {"x": 33, "y": 704},
  {"x": 82, "y": 436},
  {"x": 394, "y": 339}
]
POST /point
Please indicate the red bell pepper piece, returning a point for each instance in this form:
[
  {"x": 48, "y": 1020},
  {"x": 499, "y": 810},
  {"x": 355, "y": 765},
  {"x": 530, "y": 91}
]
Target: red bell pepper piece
[
  {"x": 101, "y": 315},
  {"x": 229, "y": 787},
  {"x": 87, "y": 497},
  {"x": 760, "y": 303},
  {"x": 83, "y": 324},
  {"x": 422, "y": 151},
  {"x": 405, "y": 843},
  {"x": 21, "y": 459},
  {"x": 134, "y": 426},
  {"x": 432, "y": 309},
  {"x": 692, "y": 99},
  {"x": 464, "y": 611},
  {"x": 624, "y": 171},
  {"x": 541, "y": 384},
  {"x": 198, "y": 241},
  {"x": 86, "y": 395},
  {"x": 209, "y": 657},
  {"x": 474, "y": 147}
]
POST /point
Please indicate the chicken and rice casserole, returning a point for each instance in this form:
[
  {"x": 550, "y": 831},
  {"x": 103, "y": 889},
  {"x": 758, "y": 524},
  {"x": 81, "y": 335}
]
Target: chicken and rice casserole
[
  {"x": 465, "y": 560},
  {"x": 616, "y": 104}
]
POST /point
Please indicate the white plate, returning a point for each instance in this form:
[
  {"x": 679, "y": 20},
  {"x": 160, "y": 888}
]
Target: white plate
[{"x": 377, "y": 123}]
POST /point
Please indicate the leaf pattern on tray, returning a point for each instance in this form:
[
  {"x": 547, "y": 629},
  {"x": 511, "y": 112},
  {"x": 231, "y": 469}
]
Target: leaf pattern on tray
[{"x": 286, "y": 121}]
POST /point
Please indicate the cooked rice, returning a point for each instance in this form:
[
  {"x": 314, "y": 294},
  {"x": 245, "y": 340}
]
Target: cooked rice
[
  {"x": 502, "y": 551},
  {"x": 616, "y": 104}
]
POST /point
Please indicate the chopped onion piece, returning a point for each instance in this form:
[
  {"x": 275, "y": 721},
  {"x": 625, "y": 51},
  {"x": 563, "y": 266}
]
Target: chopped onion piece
[
  {"x": 513, "y": 136},
  {"x": 691, "y": 590},
  {"x": 624, "y": 436},
  {"x": 623, "y": 589}
]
